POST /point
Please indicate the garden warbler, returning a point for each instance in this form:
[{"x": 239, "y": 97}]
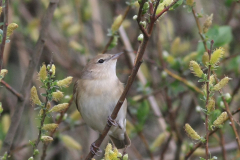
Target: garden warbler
[{"x": 97, "y": 92}]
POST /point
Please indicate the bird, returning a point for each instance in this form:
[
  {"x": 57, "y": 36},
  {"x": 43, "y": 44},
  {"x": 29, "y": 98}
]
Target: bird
[{"x": 96, "y": 93}]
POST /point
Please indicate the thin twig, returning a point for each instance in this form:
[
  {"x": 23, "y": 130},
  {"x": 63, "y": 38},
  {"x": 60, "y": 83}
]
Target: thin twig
[
  {"x": 5, "y": 25},
  {"x": 53, "y": 132},
  {"x": 222, "y": 143},
  {"x": 19, "y": 95},
  {"x": 28, "y": 77},
  {"x": 199, "y": 144}
]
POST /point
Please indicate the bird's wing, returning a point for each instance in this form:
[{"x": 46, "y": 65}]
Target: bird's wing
[{"x": 75, "y": 93}]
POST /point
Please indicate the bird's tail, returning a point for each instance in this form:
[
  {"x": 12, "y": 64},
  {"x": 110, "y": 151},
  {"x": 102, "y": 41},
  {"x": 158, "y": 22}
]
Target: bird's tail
[{"x": 121, "y": 143}]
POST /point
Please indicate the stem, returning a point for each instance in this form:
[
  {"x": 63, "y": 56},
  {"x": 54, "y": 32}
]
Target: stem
[
  {"x": 222, "y": 143},
  {"x": 2, "y": 46},
  {"x": 19, "y": 95}
]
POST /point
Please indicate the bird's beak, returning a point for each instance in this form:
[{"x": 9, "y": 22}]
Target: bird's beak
[{"x": 116, "y": 56}]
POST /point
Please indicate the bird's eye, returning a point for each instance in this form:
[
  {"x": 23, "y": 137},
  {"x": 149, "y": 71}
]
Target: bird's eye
[{"x": 100, "y": 60}]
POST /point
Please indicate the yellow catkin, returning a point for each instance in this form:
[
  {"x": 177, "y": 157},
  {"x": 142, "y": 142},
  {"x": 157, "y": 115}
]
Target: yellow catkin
[
  {"x": 161, "y": 6},
  {"x": 42, "y": 75},
  {"x": 217, "y": 54},
  {"x": 205, "y": 59},
  {"x": 57, "y": 96},
  {"x": 53, "y": 69},
  {"x": 221, "y": 119},
  {"x": 50, "y": 127},
  {"x": 158, "y": 141},
  {"x": 11, "y": 27},
  {"x": 70, "y": 142},
  {"x": 211, "y": 105},
  {"x": 191, "y": 132},
  {"x": 46, "y": 139},
  {"x": 34, "y": 96},
  {"x": 195, "y": 68},
  {"x": 59, "y": 107},
  {"x": 1, "y": 108},
  {"x": 111, "y": 154},
  {"x": 207, "y": 23},
  {"x": 189, "y": 57},
  {"x": 221, "y": 84},
  {"x": 75, "y": 45},
  {"x": 117, "y": 23},
  {"x": 75, "y": 115},
  {"x": 175, "y": 45},
  {"x": 65, "y": 82},
  {"x": 47, "y": 108},
  {"x": 190, "y": 2},
  {"x": 0, "y": 10},
  {"x": 3, "y": 72},
  {"x": 6, "y": 121}
]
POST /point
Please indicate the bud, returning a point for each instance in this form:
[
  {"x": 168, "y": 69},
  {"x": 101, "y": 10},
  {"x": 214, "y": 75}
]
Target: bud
[
  {"x": 221, "y": 119},
  {"x": 46, "y": 139},
  {"x": 211, "y": 105},
  {"x": 164, "y": 74},
  {"x": 217, "y": 54},
  {"x": 34, "y": 96},
  {"x": 190, "y": 2},
  {"x": 221, "y": 84},
  {"x": 207, "y": 23},
  {"x": 205, "y": 59},
  {"x": 112, "y": 154},
  {"x": 191, "y": 133},
  {"x": 145, "y": 8},
  {"x": 11, "y": 27},
  {"x": 47, "y": 108},
  {"x": 50, "y": 127},
  {"x": 135, "y": 17},
  {"x": 31, "y": 158},
  {"x": 117, "y": 23},
  {"x": 65, "y": 82},
  {"x": 57, "y": 96},
  {"x": 211, "y": 82},
  {"x": 222, "y": 104},
  {"x": 59, "y": 107},
  {"x": 194, "y": 66},
  {"x": 143, "y": 23},
  {"x": 3, "y": 73},
  {"x": 125, "y": 157},
  {"x": 140, "y": 37},
  {"x": 228, "y": 97},
  {"x": 119, "y": 155},
  {"x": 1, "y": 109},
  {"x": 75, "y": 115},
  {"x": 43, "y": 73},
  {"x": 36, "y": 152},
  {"x": 158, "y": 141},
  {"x": 70, "y": 142}
]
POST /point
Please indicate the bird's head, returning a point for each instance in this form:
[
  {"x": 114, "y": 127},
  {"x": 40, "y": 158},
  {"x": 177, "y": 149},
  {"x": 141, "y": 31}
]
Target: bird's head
[{"x": 101, "y": 66}]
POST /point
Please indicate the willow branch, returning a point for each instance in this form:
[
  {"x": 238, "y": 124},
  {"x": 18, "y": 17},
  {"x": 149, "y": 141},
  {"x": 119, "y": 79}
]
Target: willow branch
[
  {"x": 199, "y": 144},
  {"x": 28, "y": 77}
]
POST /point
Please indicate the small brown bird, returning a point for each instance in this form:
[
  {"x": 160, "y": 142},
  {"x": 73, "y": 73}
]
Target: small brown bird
[{"x": 97, "y": 92}]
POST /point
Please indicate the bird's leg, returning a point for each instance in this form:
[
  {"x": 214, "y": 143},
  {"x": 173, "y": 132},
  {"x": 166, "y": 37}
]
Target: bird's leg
[
  {"x": 94, "y": 149},
  {"x": 111, "y": 122}
]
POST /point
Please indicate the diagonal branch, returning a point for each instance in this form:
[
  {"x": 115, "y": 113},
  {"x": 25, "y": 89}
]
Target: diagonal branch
[
  {"x": 19, "y": 95},
  {"x": 28, "y": 77}
]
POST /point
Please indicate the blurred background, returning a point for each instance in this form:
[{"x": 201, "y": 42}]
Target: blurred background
[{"x": 157, "y": 100}]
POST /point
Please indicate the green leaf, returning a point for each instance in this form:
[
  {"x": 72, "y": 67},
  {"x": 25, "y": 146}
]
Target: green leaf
[
  {"x": 142, "y": 112},
  {"x": 176, "y": 5}
]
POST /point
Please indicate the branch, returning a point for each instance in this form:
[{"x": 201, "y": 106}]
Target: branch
[
  {"x": 5, "y": 24},
  {"x": 45, "y": 145},
  {"x": 199, "y": 144},
  {"x": 28, "y": 77},
  {"x": 19, "y": 95},
  {"x": 139, "y": 17}
]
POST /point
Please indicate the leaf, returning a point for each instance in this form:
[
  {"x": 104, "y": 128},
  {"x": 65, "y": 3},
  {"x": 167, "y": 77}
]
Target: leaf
[
  {"x": 142, "y": 112},
  {"x": 176, "y": 5}
]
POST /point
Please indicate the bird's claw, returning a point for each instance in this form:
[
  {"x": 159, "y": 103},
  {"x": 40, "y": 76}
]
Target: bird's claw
[
  {"x": 111, "y": 122},
  {"x": 95, "y": 149}
]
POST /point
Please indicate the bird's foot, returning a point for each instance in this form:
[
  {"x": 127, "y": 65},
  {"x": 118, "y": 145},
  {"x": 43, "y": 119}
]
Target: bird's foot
[
  {"x": 111, "y": 122},
  {"x": 95, "y": 149}
]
